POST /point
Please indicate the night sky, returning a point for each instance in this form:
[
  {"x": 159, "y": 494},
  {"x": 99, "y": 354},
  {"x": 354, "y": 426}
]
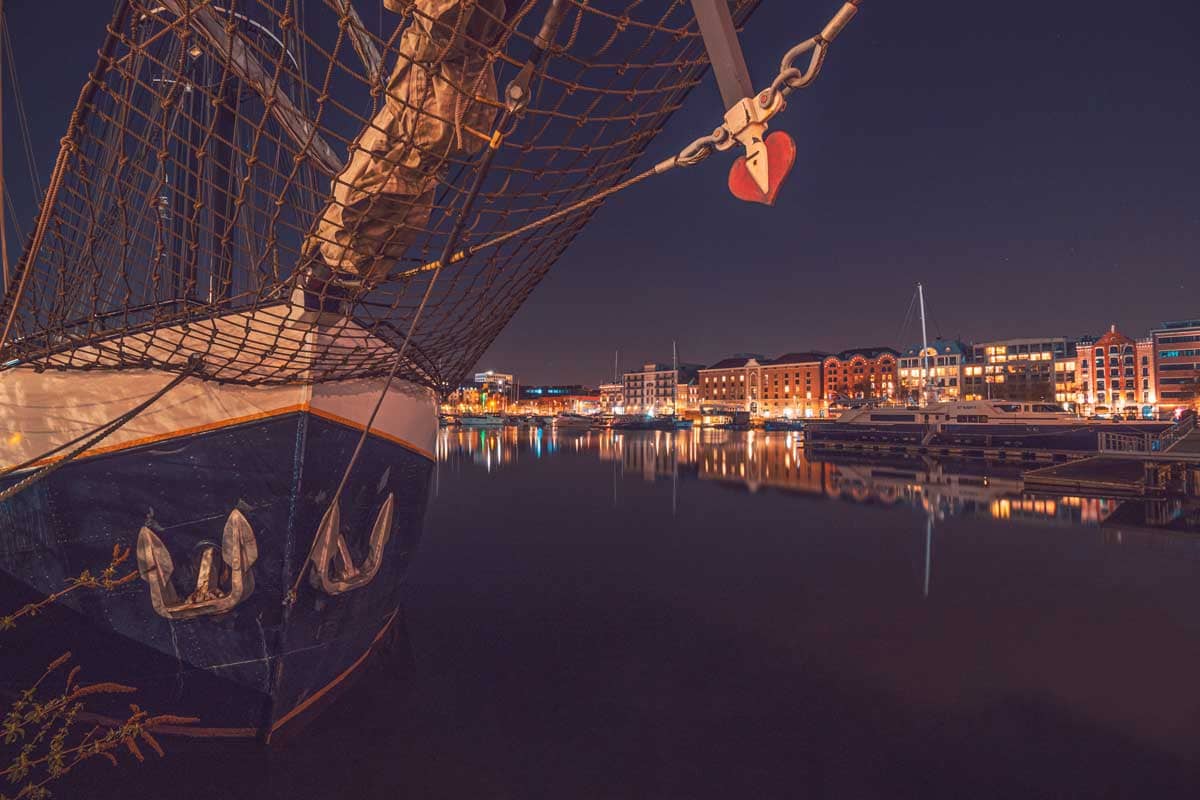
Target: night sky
[{"x": 1035, "y": 164}]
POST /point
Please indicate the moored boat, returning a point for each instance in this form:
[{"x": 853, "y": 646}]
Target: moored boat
[
  {"x": 576, "y": 421},
  {"x": 482, "y": 420},
  {"x": 1004, "y": 424}
]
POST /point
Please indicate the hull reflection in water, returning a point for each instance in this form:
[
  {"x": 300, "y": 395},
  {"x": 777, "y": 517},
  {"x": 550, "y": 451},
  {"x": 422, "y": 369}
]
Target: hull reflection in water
[{"x": 756, "y": 460}]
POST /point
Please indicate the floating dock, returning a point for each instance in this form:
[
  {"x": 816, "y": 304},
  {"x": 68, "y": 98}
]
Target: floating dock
[{"x": 1164, "y": 465}]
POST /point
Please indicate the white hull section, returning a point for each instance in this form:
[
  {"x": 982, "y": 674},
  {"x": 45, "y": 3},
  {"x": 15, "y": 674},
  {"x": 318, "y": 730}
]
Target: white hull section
[
  {"x": 39, "y": 412},
  {"x": 43, "y": 410}
]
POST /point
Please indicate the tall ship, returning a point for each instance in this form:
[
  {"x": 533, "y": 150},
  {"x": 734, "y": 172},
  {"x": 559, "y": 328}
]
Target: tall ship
[{"x": 274, "y": 235}]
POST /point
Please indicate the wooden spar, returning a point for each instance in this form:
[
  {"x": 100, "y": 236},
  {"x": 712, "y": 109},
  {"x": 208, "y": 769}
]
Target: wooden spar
[
  {"x": 724, "y": 51},
  {"x": 235, "y": 52}
]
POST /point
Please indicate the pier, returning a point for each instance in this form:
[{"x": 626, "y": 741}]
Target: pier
[{"x": 1131, "y": 464}]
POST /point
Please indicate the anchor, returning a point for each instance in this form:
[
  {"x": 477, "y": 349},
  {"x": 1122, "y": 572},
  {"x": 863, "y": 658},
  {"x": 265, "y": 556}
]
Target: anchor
[
  {"x": 330, "y": 546},
  {"x": 239, "y": 551}
]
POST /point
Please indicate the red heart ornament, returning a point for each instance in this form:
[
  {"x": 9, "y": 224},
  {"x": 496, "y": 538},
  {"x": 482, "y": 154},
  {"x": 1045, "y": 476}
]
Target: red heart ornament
[{"x": 781, "y": 157}]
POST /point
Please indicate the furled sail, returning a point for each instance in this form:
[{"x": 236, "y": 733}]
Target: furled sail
[{"x": 221, "y": 146}]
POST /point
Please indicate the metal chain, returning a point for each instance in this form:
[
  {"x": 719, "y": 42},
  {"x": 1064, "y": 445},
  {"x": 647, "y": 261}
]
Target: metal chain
[{"x": 791, "y": 77}]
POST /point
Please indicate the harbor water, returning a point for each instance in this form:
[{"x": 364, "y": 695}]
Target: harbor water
[{"x": 600, "y": 614}]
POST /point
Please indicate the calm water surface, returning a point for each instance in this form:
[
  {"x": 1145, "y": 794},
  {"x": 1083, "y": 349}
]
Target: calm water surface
[{"x": 712, "y": 614}]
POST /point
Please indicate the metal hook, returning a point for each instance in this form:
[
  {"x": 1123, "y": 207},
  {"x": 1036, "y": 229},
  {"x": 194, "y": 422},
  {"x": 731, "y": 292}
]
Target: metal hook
[
  {"x": 239, "y": 551},
  {"x": 331, "y": 545}
]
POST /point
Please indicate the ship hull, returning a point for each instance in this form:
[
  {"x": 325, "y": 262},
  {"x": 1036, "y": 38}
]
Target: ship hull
[{"x": 257, "y": 668}]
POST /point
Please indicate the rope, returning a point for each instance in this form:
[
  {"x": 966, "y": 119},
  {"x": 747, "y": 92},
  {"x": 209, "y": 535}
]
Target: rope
[
  {"x": 691, "y": 155},
  {"x": 141, "y": 212},
  {"x": 89, "y": 439},
  {"x": 194, "y": 175},
  {"x": 513, "y": 108},
  {"x": 574, "y": 208},
  {"x": 67, "y": 146},
  {"x": 35, "y": 179}
]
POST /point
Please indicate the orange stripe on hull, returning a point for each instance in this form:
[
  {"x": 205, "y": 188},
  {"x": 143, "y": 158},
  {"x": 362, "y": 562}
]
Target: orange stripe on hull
[
  {"x": 317, "y": 695},
  {"x": 358, "y": 426},
  {"x": 229, "y": 423}
]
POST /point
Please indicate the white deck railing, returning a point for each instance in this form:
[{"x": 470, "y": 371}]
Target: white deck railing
[{"x": 1113, "y": 442}]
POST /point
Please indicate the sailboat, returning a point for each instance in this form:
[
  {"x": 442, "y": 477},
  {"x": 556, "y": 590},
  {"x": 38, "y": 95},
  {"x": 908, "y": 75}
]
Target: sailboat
[{"x": 181, "y": 374}]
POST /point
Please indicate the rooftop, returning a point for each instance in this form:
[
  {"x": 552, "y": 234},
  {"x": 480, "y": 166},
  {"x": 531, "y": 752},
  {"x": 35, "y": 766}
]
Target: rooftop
[
  {"x": 800, "y": 358},
  {"x": 738, "y": 361},
  {"x": 866, "y": 352},
  {"x": 943, "y": 346}
]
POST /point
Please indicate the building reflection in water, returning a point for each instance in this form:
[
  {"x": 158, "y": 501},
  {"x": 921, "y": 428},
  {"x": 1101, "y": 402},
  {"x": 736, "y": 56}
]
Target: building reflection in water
[{"x": 757, "y": 460}]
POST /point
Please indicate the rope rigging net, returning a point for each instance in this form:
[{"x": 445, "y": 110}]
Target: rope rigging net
[{"x": 223, "y": 147}]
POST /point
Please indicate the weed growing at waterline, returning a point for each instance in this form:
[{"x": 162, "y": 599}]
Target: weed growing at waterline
[
  {"x": 44, "y": 733},
  {"x": 105, "y": 581},
  {"x": 44, "y": 728}
]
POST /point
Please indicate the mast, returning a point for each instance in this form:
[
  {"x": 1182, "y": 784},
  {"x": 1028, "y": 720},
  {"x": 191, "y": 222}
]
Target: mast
[
  {"x": 674, "y": 376},
  {"x": 924, "y": 348},
  {"x": 3, "y": 219}
]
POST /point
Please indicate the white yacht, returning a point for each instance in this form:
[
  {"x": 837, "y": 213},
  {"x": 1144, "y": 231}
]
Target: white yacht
[{"x": 965, "y": 412}]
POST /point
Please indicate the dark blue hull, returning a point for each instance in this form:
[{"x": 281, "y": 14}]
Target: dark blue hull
[{"x": 250, "y": 670}]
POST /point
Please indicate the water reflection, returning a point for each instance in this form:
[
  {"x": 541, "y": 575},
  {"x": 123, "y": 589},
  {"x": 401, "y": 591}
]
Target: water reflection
[{"x": 755, "y": 461}]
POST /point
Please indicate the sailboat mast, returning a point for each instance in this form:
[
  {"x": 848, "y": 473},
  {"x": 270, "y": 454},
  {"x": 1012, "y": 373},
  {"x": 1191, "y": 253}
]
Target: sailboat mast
[
  {"x": 924, "y": 347},
  {"x": 674, "y": 375}
]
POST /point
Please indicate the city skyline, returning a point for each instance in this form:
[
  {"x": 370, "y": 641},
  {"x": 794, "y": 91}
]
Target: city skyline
[{"x": 633, "y": 364}]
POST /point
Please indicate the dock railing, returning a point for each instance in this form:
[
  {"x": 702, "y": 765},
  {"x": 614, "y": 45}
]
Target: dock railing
[
  {"x": 1176, "y": 432},
  {"x": 1112, "y": 442}
]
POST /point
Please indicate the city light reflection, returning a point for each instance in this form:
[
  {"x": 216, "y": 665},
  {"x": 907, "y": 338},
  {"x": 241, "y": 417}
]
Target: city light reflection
[{"x": 757, "y": 461}]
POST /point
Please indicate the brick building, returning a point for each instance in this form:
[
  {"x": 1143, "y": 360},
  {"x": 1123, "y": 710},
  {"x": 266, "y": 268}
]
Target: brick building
[
  {"x": 1108, "y": 372},
  {"x": 792, "y": 387},
  {"x": 863, "y": 372},
  {"x": 733, "y": 383}
]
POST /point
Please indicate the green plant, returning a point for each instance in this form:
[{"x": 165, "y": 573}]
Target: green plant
[
  {"x": 107, "y": 580},
  {"x": 49, "y": 740},
  {"x": 45, "y": 730}
]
